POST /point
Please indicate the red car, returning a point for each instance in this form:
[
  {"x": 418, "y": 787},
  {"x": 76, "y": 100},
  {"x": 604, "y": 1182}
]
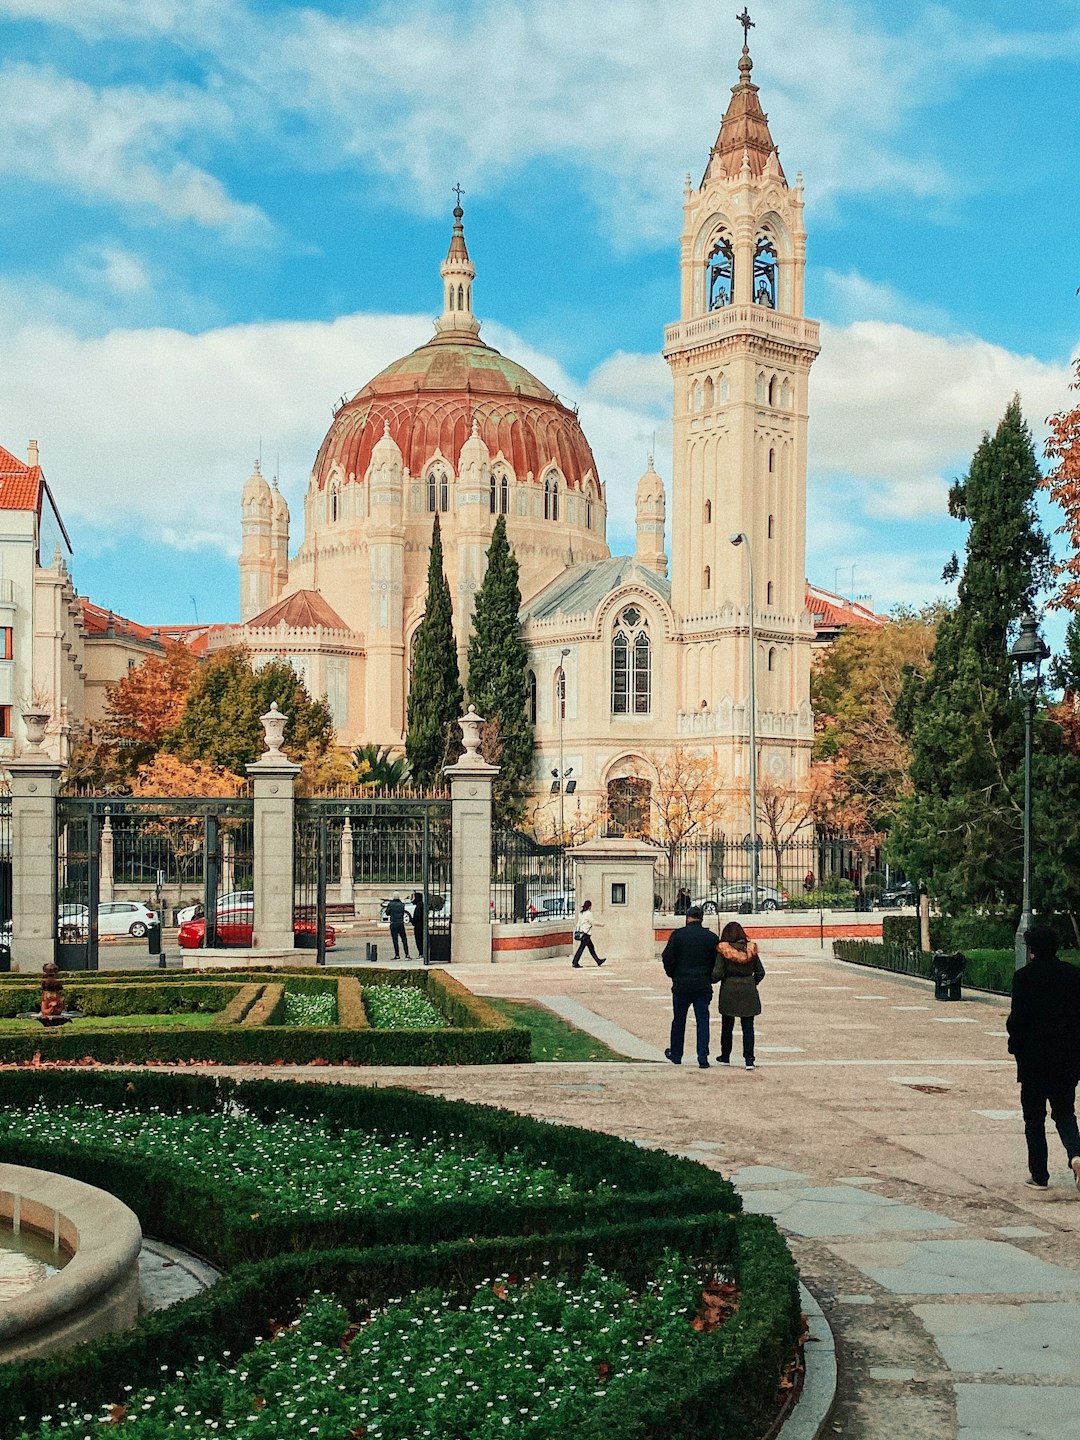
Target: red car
[{"x": 234, "y": 931}]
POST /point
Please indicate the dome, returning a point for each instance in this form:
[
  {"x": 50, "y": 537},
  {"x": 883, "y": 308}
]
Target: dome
[{"x": 430, "y": 401}]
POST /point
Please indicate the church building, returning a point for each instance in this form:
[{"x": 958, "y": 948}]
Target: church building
[{"x": 629, "y": 658}]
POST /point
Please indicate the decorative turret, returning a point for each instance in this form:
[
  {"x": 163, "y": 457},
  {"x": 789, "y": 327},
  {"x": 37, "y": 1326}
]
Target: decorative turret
[
  {"x": 458, "y": 273},
  {"x": 257, "y": 560},
  {"x": 651, "y": 514},
  {"x": 279, "y": 539}
]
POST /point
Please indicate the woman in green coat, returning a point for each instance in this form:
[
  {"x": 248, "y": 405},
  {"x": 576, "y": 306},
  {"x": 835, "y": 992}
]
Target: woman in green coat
[{"x": 739, "y": 971}]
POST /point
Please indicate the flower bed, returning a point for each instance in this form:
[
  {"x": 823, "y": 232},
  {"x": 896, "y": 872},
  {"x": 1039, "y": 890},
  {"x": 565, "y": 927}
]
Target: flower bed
[
  {"x": 602, "y": 1211},
  {"x": 400, "y": 1007},
  {"x": 313, "y": 1009}
]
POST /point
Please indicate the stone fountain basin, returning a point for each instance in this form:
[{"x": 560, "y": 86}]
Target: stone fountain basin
[{"x": 97, "y": 1291}]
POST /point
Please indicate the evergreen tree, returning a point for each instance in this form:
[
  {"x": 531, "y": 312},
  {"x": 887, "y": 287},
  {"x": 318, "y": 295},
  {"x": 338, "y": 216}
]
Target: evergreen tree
[
  {"x": 432, "y": 736},
  {"x": 499, "y": 677},
  {"x": 960, "y": 832}
]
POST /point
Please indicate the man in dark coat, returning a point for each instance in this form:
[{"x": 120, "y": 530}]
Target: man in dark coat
[
  {"x": 1044, "y": 1036},
  {"x": 418, "y": 922},
  {"x": 689, "y": 957},
  {"x": 395, "y": 914}
]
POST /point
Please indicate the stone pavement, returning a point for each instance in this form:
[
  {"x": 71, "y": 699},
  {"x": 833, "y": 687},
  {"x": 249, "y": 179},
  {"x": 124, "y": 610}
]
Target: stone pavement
[{"x": 883, "y": 1132}]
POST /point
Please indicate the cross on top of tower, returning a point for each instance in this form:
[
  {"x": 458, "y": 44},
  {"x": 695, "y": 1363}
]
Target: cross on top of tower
[
  {"x": 747, "y": 25},
  {"x": 458, "y": 191}
]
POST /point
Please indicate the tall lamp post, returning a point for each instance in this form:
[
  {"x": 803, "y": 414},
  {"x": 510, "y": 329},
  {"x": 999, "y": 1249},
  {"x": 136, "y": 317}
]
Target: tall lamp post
[
  {"x": 1030, "y": 650},
  {"x": 741, "y": 538},
  {"x": 560, "y": 697}
]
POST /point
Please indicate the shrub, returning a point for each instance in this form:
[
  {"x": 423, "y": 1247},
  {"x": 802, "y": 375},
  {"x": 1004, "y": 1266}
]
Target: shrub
[
  {"x": 239, "y": 1005},
  {"x": 269, "y": 1007},
  {"x": 350, "y": 1004}
]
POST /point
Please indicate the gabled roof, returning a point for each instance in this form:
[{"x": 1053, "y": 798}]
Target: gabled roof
[
  {"x": 20, "y": 484},
  {"x": 581, "y": 589},
  {"x": 303, "y": 610},
  {"x": 833, "y": 613}
]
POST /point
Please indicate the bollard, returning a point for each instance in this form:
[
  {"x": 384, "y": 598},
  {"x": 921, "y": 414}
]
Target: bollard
[{"x": 372, "y": 952}]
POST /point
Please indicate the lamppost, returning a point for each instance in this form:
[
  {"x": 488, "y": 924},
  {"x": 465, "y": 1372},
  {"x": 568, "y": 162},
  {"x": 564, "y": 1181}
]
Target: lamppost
[
  {"x": 1029, "y": 650},
  {"x": 741, "y": 538},
  {"x": 560, "y": 695}
]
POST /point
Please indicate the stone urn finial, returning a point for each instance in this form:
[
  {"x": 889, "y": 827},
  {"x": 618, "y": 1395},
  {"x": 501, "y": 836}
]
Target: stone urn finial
[
  {"x": 273, "y": 723},
  {"x": 36, "y": 723},
  {"x": 470, "y": 724}
]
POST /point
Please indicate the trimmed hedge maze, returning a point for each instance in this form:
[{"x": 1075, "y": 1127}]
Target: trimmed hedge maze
[
  {"x": 354, "y": 1017},
  {"x": 350, "y": 1219}
]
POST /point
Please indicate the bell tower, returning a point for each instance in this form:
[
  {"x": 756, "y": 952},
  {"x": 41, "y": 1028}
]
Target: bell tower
[{"x": 740, "y": 356}]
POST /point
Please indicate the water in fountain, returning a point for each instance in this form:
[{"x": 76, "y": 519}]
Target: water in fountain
[{"x": 26, "y": 1260}]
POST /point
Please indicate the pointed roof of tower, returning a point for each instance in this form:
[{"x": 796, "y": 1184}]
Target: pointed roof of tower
[{"x": 744, "y": 138}]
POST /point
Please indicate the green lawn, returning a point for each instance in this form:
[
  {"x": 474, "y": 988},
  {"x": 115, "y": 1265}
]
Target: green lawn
[
  {"x": 193, "y": 1020},
  {"x": 552, "y": 1037}
]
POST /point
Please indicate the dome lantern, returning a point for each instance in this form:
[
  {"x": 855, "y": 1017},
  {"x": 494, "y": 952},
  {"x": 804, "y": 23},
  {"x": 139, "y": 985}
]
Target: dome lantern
[{"x": 458, "y": 273}]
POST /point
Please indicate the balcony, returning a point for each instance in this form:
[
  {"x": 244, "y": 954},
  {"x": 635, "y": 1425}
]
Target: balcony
[{"x": 743, "y": 320}]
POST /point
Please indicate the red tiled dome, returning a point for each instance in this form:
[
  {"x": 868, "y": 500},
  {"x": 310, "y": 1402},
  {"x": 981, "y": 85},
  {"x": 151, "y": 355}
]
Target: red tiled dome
[{"x": 430, "y": 400}]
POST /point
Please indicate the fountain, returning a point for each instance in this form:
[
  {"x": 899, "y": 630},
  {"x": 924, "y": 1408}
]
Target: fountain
[{"x": 52, "y": 1010}]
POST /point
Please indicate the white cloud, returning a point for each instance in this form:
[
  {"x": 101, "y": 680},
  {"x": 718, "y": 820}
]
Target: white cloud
[
  {"x": 120, "y": 145},
  {"x": 118, "y": 270}
]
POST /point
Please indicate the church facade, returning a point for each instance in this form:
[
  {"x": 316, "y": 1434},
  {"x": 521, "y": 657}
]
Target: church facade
[{"x": 628, "y": 660}]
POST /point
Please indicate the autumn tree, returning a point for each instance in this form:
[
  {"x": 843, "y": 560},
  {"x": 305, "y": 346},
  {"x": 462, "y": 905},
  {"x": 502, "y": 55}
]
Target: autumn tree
[
  {"x": 959, "y": 830},
  {"x": 166, "y": 775},
  {"x": 788, "y": 810},
  {"x": 689, "y": 799},
  {"x": 144, "y": 705},
  {"x": 498, "y": 677},
  {"x": 1063, "y": 483},
  {"x": 855, "y": 684},
  {"x": 433, "y": 736}
]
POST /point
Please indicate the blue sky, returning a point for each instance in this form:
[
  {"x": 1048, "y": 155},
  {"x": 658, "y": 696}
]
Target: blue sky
[{"x": 220, "y": 215}]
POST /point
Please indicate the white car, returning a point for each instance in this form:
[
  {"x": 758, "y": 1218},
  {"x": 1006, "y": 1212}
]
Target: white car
[
  {"x": 234, "y": 903},
  {"x": 551, "y": 903},
  {"x": 115, "y": 917}
]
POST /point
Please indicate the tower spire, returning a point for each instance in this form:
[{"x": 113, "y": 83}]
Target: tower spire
[
  {"x": 458, "y": 273},
  {"x": 744, "y": 138}
]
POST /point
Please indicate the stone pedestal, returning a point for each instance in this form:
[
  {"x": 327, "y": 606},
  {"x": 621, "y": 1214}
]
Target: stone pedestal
[
  {"x": 471, "y": 780},
  {"x": 274, "y": 780},
  {"x": 35, "y": 783},
  {"x": 617, "y": 875}
]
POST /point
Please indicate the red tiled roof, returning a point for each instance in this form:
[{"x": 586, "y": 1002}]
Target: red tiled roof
[
  {"x": 833, "y": 612},
  {"x": 745, "y": 130},
  {"x": 99, "y": 621},
  {"x": 20, "y": 484},
  {"x": 303, "y": 610}
]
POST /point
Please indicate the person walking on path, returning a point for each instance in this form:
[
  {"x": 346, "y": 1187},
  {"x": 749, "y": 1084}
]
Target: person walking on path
[
  {"x": 1044, "y": 1036},
  {"x": 418, "y": 923},
  {"x": 689, "y": 957},
  {"x": 583, "y": 935},
  {"x": 740, "y": 972},
  {"x": 395, "y": 914}
]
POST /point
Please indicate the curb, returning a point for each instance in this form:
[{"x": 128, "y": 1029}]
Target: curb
[{"x": 808, "y": 1419}]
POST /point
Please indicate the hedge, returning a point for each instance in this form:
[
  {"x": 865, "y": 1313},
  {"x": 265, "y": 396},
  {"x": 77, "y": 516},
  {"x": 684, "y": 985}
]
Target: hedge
[
  {"x": 990, "y": 970},
  {"x": 726, "y": 1390},
  {"x": 239, "y": 1005},
  {"x": 476, "y": 1034}
]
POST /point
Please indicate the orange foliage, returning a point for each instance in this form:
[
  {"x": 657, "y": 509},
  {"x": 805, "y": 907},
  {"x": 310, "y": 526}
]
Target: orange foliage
[
  {"x": 149, "y": 700},
  {"x": 1063, "y": 483},
  {"x": 167, "y": 775}
]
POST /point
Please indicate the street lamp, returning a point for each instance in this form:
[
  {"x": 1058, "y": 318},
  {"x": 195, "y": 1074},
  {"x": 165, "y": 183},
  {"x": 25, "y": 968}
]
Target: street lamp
[
  {"x": 560, "y": 693},
  {"x": 1029, "y": 650},
  {"x": 740, "y": 538}
]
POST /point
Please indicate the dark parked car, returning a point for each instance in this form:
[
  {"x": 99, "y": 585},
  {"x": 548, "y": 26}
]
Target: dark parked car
[{"x": 898, "y": 895}]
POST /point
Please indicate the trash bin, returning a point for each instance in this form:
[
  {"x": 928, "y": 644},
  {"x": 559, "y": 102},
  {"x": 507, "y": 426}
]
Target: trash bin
[
  {"x": 948, "y": 972},
  {"x": 153, "y": 937},
  {"x": 5, "y": 958}
]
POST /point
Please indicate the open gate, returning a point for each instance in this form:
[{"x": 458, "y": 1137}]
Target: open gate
[{"x": 351, "y": 855}]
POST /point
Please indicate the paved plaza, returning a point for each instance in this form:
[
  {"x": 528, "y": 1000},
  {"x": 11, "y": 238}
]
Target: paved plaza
[{"x": 883, "y": 1131}]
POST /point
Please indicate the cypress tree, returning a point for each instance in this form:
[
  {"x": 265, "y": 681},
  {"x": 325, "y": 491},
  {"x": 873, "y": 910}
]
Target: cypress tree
[
  {"x": 432, "y": 736},
  {"x": 960, "y": 831},
  {"x": 498, "y": 677}
]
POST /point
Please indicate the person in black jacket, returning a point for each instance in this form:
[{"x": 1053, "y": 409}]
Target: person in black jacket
[
  {"x": 1044, "y": 1036},
  {"x": 689, "y": 957},
  {"x": 418, "y": 923},
  {"x": 395, "y": 914}
]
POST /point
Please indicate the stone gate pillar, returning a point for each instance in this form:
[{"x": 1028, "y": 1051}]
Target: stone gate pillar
[
  {"x": 274, "y": 778},
  {"x": 617, "y": 875},
  {"x": 35, "y": 784},
  {"x": 471, "y": 780},
  {"x": 346, "y": 888},
  {"x": 107, "y": 873}
]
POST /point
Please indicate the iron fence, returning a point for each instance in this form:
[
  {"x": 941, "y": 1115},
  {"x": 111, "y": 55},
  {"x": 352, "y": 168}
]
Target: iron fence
[
  {"x": 529, "y": 881},
  {"x": 806, "y": 871}
]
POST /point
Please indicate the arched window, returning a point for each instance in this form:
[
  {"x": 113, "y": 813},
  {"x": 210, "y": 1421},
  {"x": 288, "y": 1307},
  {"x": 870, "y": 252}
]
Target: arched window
[
  {"x": 588, "y": 509},
  {"x": 772, "y": 528},
  {"x": 765, "y": 271},
  {"x": 723, "y": 390},
  {"x": 696, "y": 396},
  {"x": 759, "y": 390},
  {"x": 707, "y": 581},
  {"x": 720, "y": 273},
  {"x": 785, "y": 396},
  {"x": 444, "y": 492},
  {"x": 772, "y": 462},
  {"x": 772, "y": 657},
  {"x": 431, "y": 481},
  {"x": 560, "y": 693},
  {"x": 334, "y": 503},
  {"x": 451, "y": 297},
  {"x": 504, "y": 496},
  {"x": 631, "y": 665},
  {"x": 532, "y": 697},
  {"x": 629, "y": 806},
  {"x": 772, "y": 391},
  {"x": 493, "y": 495},
  {"x": 709, "y": 393},
  {"x": 551, "y": 497},
  {"x": 461, "y": 297},
  {"x": 708, "y": 512},
  {"x": 769, "y": 593}
]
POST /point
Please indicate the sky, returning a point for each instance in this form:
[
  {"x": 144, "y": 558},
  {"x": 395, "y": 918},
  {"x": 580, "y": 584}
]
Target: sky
[{"x": 220, "y": 216}]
